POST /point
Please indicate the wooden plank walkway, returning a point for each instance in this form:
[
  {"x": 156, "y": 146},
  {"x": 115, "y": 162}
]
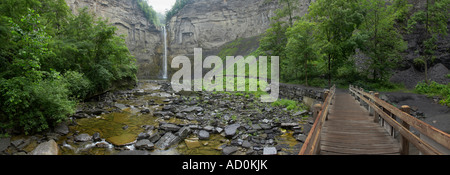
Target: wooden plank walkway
[{"x": 350, "y": 130}]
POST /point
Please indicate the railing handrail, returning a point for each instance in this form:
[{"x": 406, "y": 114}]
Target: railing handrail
[
  {"x": 312, "y": 142},
  {"x": 381, "y": 108}
]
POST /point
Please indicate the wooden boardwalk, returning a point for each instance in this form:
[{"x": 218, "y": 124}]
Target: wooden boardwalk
[{"x": 350, "y": 130}]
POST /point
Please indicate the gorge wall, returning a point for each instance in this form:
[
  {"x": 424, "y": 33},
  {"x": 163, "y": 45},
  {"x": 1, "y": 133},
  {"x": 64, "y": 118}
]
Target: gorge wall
[
  {"x": 144, "y": 40},
  {"x": 209, "y": 24}
]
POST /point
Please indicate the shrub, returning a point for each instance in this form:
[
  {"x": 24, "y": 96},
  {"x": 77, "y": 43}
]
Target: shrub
[
  {"x": 288, "y": 104},
  {"x": 435, "y": 89},
  {"x": 78, "y": 85},
  {"x": 34, "y": 106}
]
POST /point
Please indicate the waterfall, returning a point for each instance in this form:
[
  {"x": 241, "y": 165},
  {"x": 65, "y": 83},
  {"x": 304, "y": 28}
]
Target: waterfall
[{"x": 165, "y": 54}]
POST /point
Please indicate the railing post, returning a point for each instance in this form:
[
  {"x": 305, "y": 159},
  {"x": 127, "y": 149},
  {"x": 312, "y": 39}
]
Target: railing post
[
  {"x": 325, "y": 95},
  {"x": 362, "y": 96},
  {"x": 317, "y": 108},
  {"x": 376, "y": 118},
  {"x": 368, "y": 106},
  {"x": 405, "y": 144}
]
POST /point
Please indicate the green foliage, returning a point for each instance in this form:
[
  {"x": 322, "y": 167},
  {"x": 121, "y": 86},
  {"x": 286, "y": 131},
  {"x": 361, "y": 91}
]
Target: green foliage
[
  {"x": 149, "y": 13},
  {"x": 78, "y": 85},
  {"x": 383, "y": 42},
  {"x": 323, "y": 43},
  {"x": 179, "y": 4},
  {"x": 301, "y": 50},
  {"x": 288, "y": 104},
  {"x": 435, "y": 89},
  {"x": 434, "y": 19},
  {"x": 336, "y": 37},
  {"x": 41, "y": 41}
]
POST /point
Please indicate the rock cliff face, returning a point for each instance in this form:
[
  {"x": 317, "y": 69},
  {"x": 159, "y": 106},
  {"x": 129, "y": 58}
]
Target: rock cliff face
[
  {"x": 209, "y": 24},
  {"x": 144, "y": 40}
]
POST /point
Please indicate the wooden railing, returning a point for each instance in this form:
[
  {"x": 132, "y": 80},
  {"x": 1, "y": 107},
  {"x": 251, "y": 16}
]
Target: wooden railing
[
  {"x": 312, "y": 142},
  {"x": 400, "y": 120}
]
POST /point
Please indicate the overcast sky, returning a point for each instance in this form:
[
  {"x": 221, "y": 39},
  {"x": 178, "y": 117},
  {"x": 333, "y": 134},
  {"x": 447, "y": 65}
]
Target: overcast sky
[{"x": 161, "y": 5}]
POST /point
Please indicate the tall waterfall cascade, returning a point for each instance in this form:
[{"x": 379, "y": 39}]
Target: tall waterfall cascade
[{"x": 164, "y": 66}]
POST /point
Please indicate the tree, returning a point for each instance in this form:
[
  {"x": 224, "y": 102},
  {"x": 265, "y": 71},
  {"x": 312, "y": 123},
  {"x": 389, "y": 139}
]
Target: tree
[
  {"x": 336, "y": 22},
  {"x": 384, "y": 43},
  {"x": 289, "y": 6},
  {"x": 274, "y": 41},
  {"x": 434, "y": 19},
  {"x": 301, "y": 47}
]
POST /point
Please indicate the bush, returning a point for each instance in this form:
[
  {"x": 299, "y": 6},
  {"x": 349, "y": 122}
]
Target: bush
[
  {"x": 435, "y": 89},
  {"x": 288, "y": 104},
  {"x": 34, "y": 106},
  {"x": 78, "y": 85}
]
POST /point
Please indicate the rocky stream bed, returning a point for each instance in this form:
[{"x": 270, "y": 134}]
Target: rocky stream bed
[{"x": 153, "y": 120}]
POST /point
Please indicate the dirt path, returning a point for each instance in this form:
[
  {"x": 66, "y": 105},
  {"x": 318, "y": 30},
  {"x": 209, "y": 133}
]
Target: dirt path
[{"x": 434, "y": 114}]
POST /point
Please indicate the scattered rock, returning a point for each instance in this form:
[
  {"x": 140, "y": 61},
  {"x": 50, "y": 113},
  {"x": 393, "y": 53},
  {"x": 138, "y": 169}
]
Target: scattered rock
[
  {"x": 144, "y": 144},
  {"x": 143, "y": 135},
  {"x": 96, "y": 137},
  {"x": 192, "y": 109},
  {"x": 4, "y": 143},
  {"x": 229, "y": 150},
  {"x": 154, "y": 136},
  {"x": 301, "y": 138},
  {"x": 46, "y": 148},
  {"x": 288, "y": 125},
  {"x": 145, "y": 111},
  {"x": 133, "y": 152},
  {"x": 230, "y": 130},
  {"x": 270, "y": 151},
  {"x": 62, "y": 129},
  {"x": 184, "y": 132},
  {"x": 167, "y": 141},
  {"x": 299, "y": 113},
  {"x": 246, "y": 144},
  {"x": 120, "y": 106},
  {"x": 192, "y": 143},
  {"x": 203, "y": 135},
  {"x": 169, "y": 127},
  {"x": 83, "y": 137}
]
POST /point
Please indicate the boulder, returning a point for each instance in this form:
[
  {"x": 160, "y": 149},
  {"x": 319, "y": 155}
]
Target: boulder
[
  {"x": 184, "y": 132},
  {"x": 46, "y": 148},
  {"x": 144, "y": 144},
  {"x": 269, "y": 151},
  {"x": 62, "y": 129},
  {"x": 169, "y": 127},
  {"x": 143, "y": 135},
  {"x": 120, "y": 106},
  {"x": 288, "y": 125},
  {"x": 230, "y": 130},
  {"x": 96, "y": 137},
  {"x": 229, "y": 150},
  {"x": 192, "y": 143},
  {"x": 192, "y": 109},
  {"x": 167, "y": 141},
  {"x": 301, "y": 138},
  {"x": 83, "y": 137},
  {"x": 4, "y": 143},
  {"x": 203, "y": 135},
  {"x": 132, "y": 153},
  {"x": 299, "y": 113}
]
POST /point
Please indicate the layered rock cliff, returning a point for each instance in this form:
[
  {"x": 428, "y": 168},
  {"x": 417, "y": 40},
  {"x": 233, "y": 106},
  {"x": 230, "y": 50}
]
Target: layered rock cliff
[
  {"x": 144, "y": 40},
  {"x": 209, "y": 24}
]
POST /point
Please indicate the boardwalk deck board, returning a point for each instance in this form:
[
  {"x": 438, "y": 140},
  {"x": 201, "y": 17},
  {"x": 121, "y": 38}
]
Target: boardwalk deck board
[{"x": 350, "y": 130}]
